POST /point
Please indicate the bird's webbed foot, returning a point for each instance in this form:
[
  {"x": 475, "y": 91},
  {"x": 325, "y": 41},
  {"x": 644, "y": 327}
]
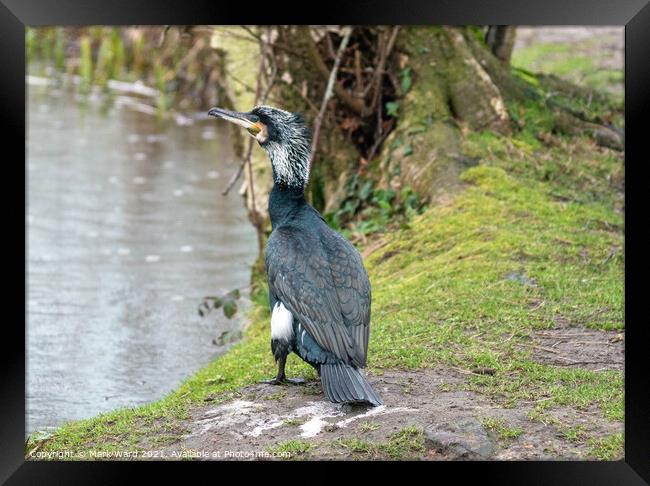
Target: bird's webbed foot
[
  {"x": 284, "y": 381},
  {"x": 295, "y": 381},
  {"x": 274, "y": 381},
  {"x": 281, "y": 378}
]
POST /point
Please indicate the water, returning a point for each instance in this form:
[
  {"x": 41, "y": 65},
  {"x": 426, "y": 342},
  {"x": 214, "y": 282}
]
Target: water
[{"x": 127, "y": 232}]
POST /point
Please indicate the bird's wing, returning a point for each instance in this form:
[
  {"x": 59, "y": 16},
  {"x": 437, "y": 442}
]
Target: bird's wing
[{"x": 325, "y": 286}]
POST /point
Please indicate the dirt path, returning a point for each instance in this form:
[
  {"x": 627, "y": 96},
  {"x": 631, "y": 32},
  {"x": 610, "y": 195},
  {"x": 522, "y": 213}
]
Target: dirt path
[{"x": 426, "y": 416}]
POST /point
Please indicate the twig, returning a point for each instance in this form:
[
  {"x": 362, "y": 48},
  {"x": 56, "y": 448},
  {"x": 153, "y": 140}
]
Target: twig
[
  {"x": 247, "y": 87},
  {"x": 542, "y": 348},
  {"x": 573, "y": 363},
  {"x": 236, "y": 175},
  {"x": 328, "y": 93},
  {"x": 258, "y": 38},
  {"x": 560, "y": 335},
  {"x": 252, "y": 33},
  {"x": 357, "y": 70},
  {"x": 379, "y": 140},
  {"x": 379, "y": 72},
  {"x": 163, "y": 36},
  {"x": 330, "y": 45},
  {"x": 355, "y": 104}
]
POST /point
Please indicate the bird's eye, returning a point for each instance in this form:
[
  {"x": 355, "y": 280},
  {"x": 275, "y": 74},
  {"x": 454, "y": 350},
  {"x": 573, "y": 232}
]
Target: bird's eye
[{"x": 254, "y": 118}]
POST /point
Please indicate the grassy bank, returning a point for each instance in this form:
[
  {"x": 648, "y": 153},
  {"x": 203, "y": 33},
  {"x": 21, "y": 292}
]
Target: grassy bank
[{"x": 466, "y": 284}]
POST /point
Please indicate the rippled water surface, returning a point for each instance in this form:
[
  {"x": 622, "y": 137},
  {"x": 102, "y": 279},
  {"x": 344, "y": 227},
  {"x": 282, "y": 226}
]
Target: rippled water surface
[{"x": 127, "y": 231}]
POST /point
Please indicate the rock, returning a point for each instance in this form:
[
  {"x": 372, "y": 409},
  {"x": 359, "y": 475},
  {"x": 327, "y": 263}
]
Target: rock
[{"x": 463, "y": 440}]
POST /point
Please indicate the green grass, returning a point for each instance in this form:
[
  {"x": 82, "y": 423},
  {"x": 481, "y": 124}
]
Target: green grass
[
  {"x": 446, "y": 278},
  {"x": 293, "y": 421},
  {"x": 582, "y": 62},
  {"x": 555, "y": 58},
  {"x": 574, "y": 434},
  {"x": 291, "y": 449},
  {"x": 356, "y": 445},
  {"x": 404, "y": 444},
  {"x": 501, "y": 429},
  {"x": 368, "y": 426},
  {"x": 608, "y": 448}
]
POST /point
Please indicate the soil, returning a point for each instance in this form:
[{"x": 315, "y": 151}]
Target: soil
[
  {"x": 256, "y": 419},
  {"x": 578, "y": 347}
]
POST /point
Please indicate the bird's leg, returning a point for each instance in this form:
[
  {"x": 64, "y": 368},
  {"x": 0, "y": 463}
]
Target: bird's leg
[{"x": 281, "y": 377}]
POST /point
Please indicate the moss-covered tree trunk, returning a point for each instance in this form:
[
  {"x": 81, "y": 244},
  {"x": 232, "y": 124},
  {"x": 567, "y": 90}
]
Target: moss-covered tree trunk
[{"x": 453, "y": 90}]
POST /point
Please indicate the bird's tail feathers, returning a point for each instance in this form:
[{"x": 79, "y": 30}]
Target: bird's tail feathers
[{"x": 343, "y": 383}]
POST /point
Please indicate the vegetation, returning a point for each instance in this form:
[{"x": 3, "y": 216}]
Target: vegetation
[
  {"x": 502, "y": 430},
  {"x": 608, "y": 448},
  {"x": 367, "y": 209},
  {"x": 180, "y": 64},
  {"x": 407, "y": 443},
  {"x": 292, "y": 447}
]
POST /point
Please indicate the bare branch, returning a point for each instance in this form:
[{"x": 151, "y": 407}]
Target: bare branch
[
  {"x": 355, "y": 104},
  {"x": 384, "y": 53},
  {"x": 328, "y": 93}
]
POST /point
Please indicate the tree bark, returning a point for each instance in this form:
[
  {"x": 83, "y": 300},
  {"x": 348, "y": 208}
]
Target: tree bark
[{"x": 501, "y": 41}]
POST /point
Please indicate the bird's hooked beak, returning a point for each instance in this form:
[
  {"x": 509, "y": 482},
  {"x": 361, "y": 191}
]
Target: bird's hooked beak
[{"x": 247, "y": 120}]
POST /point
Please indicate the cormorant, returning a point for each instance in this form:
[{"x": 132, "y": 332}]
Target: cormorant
[{"x": 319, "y": 290}]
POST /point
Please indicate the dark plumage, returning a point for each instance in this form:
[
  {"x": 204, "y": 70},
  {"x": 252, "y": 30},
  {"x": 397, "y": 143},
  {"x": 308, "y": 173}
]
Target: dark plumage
[{"x": 319, "y": 290}]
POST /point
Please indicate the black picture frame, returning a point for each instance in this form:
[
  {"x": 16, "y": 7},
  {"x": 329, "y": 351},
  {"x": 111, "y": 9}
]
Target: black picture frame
[{"x": 633, "y": 14}]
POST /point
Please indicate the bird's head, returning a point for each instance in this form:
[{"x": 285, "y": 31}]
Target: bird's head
[{"x": 284, "y": 135}]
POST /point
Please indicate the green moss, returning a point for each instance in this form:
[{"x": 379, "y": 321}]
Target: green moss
[
  {"x": 574, "y": 169},
  {"x": 447, "y": 274}
]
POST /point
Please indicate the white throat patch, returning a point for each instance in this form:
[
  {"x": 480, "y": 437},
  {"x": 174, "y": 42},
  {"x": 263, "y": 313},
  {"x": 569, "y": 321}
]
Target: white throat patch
[
  {"x": 281, "y": 323},
  {"x": 291, "y": 163}
]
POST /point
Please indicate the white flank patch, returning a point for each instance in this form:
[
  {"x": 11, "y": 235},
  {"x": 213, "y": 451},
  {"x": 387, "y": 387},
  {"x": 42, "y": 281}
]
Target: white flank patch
[{"x": 281, "y": 323}]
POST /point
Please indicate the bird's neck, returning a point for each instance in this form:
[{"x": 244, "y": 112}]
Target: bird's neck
[{"x": 283, "y": 202}]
